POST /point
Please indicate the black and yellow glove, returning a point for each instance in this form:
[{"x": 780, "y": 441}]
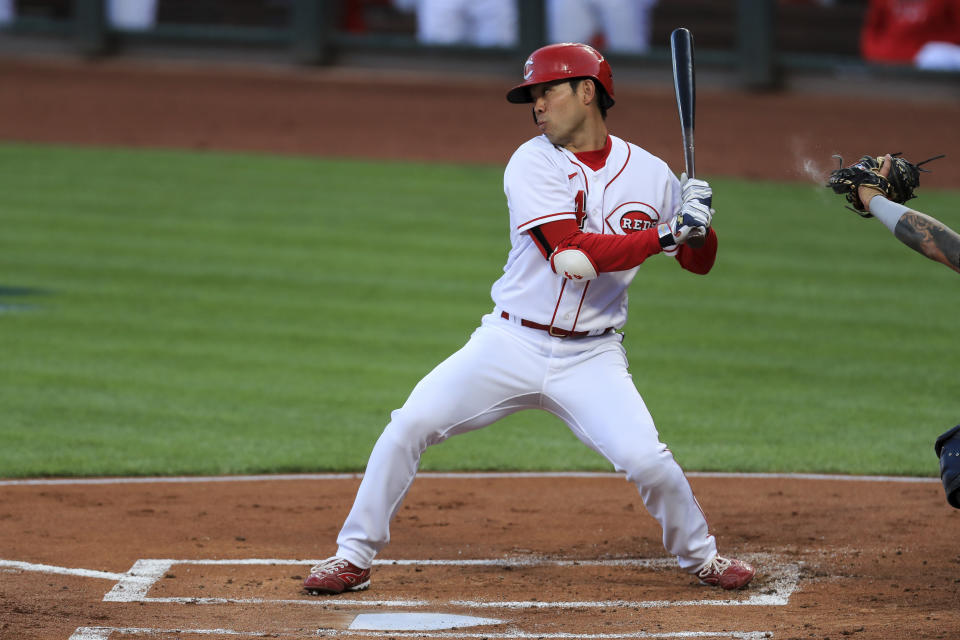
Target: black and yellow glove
[{"x": 898, "y": 186}]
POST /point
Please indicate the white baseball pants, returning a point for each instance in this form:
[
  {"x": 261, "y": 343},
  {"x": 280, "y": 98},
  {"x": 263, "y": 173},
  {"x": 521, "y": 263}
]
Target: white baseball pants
[{"x": 504, "y": 368}]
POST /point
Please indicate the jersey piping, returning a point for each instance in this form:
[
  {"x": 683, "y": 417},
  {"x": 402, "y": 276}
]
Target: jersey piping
[
  {"x": 625, "y": 163},
  {"x": 535, "y": 222}
]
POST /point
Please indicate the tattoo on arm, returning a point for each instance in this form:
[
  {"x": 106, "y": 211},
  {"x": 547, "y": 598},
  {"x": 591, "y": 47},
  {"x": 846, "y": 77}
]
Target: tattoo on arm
[{"x": 930, "y": 237}]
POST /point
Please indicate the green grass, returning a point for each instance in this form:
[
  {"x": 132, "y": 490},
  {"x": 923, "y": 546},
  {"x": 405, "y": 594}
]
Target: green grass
[{"x": 221, "y": 313}]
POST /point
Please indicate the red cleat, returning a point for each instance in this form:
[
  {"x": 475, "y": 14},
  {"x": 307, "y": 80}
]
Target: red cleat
[
  {"x": 727, "y": 573},
  {"x": 336, "y": 575}
]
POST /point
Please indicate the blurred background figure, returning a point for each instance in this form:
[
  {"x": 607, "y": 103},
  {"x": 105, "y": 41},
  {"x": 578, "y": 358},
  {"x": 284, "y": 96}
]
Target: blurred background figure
[
  {"x": 614, "y": 26},
  {"x": 134, "y": 15},
  {"x": 6, "y": 12},
  {"x": 123, "y": 14},
  {"x": 925, "y": 33},
  {"x": 480, "y": 23}
]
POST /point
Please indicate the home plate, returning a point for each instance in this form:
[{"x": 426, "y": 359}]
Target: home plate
[{"x": 416, "y": 621}]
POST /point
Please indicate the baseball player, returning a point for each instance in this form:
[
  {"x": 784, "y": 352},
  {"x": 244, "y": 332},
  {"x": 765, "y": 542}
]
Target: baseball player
[
  {"x": 877, "y": 188},
  {"x": 917, "y": 230},
  {"x": 481, "y": 23},
  {"x": 624, "y": 26},
  {"x": 586, "y": 209},
  {"x": 875, "y": 192}
]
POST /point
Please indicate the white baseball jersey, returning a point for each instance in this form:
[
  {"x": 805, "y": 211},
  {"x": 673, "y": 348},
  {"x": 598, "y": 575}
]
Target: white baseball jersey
[
  {"x": 482, "y": 23},
  {"x": 634, "y": 190},
  {"x": 626, "y": 25},
  {"x": 507, "y": 366}
]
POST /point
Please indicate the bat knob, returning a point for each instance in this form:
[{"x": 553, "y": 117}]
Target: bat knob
[{"x": 696, "y": 240}]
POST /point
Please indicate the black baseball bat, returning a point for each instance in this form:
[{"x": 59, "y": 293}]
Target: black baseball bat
[
  {"x": 684, "y": 82},
  {"x": 681, "y": 51}
]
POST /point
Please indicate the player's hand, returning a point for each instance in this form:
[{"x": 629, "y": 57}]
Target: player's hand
[
  {"x": 689, "y": 226},
  {"x": 866, "y": 193},
  {"x": 693, "y": 221},
  {"x": 694, "y": 189}
]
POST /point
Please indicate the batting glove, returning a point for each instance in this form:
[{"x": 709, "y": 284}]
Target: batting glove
[
  {"x": 693, "y": 189},
  {"x": 693, "y": 219}
]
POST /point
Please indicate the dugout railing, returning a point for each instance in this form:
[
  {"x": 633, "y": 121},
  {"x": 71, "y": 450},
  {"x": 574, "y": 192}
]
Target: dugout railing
[{"x": 759, "y": 42}]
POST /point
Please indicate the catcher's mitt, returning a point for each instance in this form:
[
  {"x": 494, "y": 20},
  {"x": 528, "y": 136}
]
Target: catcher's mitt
[{"x": 898, "y": 186}]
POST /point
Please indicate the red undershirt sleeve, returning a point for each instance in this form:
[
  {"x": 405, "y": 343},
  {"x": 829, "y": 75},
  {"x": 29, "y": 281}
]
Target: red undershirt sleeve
[
  {"x": 700, "y": 260},
  {"x": 616, "y": 252}
]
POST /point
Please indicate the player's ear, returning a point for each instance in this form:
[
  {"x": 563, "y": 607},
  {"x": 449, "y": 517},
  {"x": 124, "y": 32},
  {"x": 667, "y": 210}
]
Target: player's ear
[{"x": 589, "y": 91}]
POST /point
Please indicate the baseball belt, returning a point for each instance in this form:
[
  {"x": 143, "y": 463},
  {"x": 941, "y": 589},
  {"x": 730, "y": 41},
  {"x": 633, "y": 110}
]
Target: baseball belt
[{"x": 556, "y": 332}]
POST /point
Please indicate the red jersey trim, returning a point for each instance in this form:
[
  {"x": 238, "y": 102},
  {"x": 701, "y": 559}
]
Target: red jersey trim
[
  {"x": 583, "y": 296},
  {"x": 625, "y": 163},
  {"x": 563, "y": 285},
  {"x": 535, "y": 222},
  {"x": 582, "y": 172}
]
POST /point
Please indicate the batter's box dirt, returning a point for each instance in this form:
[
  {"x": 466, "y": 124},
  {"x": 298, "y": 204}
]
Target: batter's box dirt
[
  {"x": 266, "y": 582},
  {"x": 863, "y": 570},
  {"x": 479, "y": 583}
]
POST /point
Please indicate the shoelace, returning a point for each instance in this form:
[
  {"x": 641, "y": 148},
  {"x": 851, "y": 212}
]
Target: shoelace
[
  {"x": 716, "y": 566},
  {"x": 329, "y": 566}
]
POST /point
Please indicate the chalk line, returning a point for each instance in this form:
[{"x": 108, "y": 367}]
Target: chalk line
[
  {"x": 103, "y": 633},
  {"x": 736, "y": 635},
  {"x": 47, "y": 568},
  {"x": 426, "y": 475}
]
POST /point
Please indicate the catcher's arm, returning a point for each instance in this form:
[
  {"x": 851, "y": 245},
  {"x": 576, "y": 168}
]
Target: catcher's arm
[
  {"x": 930, "y": 237},
  {"x": 920, "y": 232}
]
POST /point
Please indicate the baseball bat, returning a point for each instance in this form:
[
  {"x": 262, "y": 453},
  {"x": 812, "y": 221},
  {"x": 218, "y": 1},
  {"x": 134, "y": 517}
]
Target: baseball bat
[{"x": 684, "y": 83}]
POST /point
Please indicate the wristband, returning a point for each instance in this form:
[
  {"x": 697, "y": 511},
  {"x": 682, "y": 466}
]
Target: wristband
[
  {"x": 667, "y": 241},
  {"x": 886, "y": 211}
]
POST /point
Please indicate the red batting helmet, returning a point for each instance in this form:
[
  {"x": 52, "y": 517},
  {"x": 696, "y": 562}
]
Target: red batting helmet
[{"x": 564, "y": 61}]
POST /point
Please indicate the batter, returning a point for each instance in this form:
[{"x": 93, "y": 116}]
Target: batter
[{"x": 586, "y": 209}]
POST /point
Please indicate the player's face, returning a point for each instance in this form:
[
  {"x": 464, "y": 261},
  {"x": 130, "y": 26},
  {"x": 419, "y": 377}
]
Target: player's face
[{"x": 559, "y": 110}]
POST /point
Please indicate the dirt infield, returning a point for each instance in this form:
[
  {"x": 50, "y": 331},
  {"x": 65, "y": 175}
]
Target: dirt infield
[
  {"x": 554, "y": 557},
  {"x": 837, "y": 558}
]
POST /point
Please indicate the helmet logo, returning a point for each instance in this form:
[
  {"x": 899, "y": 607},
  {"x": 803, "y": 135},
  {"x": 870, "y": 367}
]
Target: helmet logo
[{"x": 528, "y": 69}]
